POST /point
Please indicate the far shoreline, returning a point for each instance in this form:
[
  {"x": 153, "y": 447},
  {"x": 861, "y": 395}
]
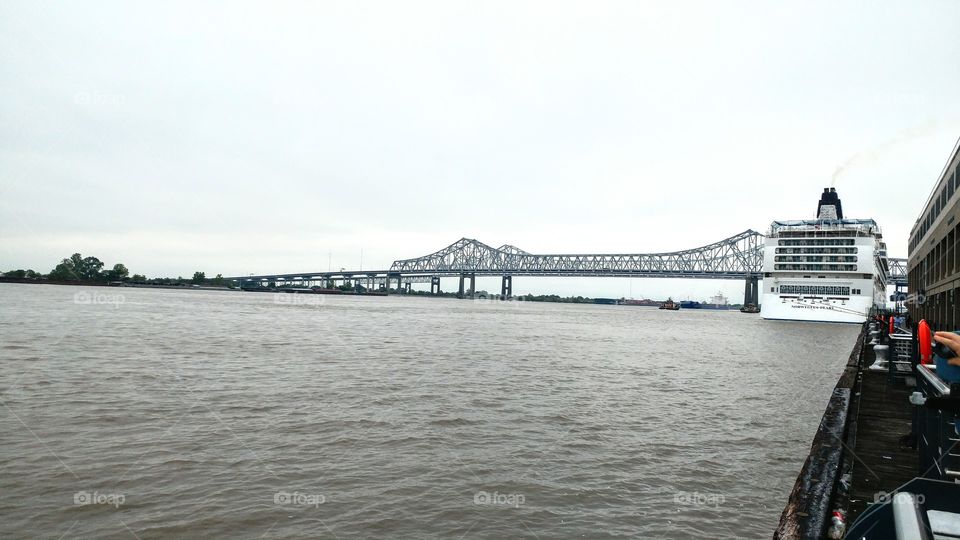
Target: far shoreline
[{"x": 28, "y": 281}]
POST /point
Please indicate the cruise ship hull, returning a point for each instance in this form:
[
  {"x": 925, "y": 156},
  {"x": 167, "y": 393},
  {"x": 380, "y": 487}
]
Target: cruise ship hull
[{"x": 854, "y": 310}]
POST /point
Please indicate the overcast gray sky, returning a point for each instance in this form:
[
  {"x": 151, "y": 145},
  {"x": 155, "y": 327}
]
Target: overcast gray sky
[{"x": 268, "y": 137}]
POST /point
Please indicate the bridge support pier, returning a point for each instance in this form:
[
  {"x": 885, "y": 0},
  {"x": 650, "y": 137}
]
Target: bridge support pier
[
  {"x": 435, "y": 285},
  {"x": 390, "y": 278},
  {"x": 506, "y": 287},
  {"x": 406, "y": 287},
  {"x": 751, "y": 291},
  {"x": 473, "y": 285}
]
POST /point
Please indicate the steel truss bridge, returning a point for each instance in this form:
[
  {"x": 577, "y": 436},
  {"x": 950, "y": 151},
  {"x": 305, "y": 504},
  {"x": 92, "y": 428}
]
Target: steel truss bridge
[{"x": 737, "y": 257}]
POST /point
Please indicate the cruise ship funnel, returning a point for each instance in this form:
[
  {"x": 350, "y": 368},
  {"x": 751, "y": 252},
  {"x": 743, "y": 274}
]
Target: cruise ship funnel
[{"x": 829, "y": 206}]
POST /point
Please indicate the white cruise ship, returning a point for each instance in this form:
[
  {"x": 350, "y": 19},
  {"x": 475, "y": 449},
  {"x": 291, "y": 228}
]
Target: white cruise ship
[{"x": 828, "y": 269}]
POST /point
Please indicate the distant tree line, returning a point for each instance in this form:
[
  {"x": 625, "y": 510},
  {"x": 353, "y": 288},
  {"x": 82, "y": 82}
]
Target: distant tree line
[{"x": 78, "y": 268}]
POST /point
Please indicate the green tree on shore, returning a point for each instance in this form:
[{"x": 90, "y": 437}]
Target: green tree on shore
[
  {"x": 117, "y": 273},
  {"x": 199, "y": 277},
  {"x": 78, "y": 268},
  {"x": 29, "y": 274}
]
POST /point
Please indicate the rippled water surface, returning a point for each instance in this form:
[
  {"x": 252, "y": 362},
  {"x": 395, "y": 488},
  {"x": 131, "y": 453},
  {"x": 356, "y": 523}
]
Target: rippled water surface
[{"x": 193, "y": 413}]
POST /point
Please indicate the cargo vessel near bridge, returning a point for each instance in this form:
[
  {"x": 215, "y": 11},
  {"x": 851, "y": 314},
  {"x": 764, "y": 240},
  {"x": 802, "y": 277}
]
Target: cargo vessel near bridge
[{"x": 828, "y": 269}]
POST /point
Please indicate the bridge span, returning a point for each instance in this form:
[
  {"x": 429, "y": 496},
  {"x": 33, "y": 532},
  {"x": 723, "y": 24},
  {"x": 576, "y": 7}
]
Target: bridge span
[{"x": 737, "y": 257}]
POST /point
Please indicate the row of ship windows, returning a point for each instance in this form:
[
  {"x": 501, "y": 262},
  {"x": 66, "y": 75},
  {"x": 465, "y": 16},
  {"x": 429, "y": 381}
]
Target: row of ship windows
[
  {"x": 939, "y": 203},
  {"x": 818, "y": 242},
  {"x": 816, "y": 250},
  {"x": 819, "y": 232},
  {"x": 814, "y": 289},
  {"x": 815, "y": 258},
  {"x": 834, "y": 267}
]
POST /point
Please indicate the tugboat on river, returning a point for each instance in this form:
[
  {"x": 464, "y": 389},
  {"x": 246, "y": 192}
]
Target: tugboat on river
[{"x": 670, "y": 305}]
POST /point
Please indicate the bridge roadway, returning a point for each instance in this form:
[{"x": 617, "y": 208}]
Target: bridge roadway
[{"x": 737, "y": 257}]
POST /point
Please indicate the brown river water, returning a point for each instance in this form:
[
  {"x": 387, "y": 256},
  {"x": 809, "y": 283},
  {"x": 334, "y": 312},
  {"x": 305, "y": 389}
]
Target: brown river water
[{"x": 149, "y": 413}]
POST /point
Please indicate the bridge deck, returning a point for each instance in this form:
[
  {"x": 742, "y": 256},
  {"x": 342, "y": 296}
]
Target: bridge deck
[{"x": 737, "y": 257}]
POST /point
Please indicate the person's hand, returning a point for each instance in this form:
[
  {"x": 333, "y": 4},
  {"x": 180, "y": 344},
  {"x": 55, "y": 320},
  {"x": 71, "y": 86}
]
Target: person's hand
[{"x": 950, "y": 340}]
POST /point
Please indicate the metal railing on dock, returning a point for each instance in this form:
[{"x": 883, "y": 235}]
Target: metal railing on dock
[
  {"x": 928, "y": 505},
  {"x": 936, "y": 429},
  {"x": 901, "y": 357},
  {"x": 874, "y": 438}
]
